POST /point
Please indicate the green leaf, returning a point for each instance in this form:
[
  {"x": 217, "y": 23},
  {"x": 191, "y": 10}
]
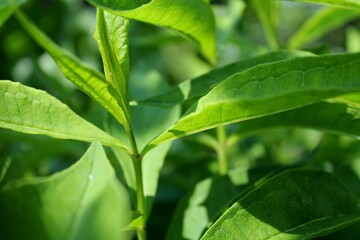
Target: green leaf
[
  {"x": 193, "y": 18},
  {"x": 111, "y": 34},
  {"x": 7, "y": 8},
  {"x": 339, "y": 3},
  {"x": 82, "y": 202},
  {"x": 33, "y": 111},
  {"x": 192, "y": 89},
  {"x": 83, "y": 76},
  {"x": 267, "y": 89},
  {"x": 322, "y": 22},
  {"x": 296, "y": 204},
  {"x": 267, "y": 12},
  {"x": 207, "y": 201},
  {"x": 323, "y": 116}
]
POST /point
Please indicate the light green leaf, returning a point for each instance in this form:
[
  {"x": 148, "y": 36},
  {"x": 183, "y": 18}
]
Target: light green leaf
[
  {"x": 267, "y": 89},
  {"x": 322, "y": 22},
  {"x": 339, "y": 3},
  {"x": 33, "y": 111},
  {"x": 82, "y": 202},
  {"x": 267, "y": 12},
  {"x": 193, "y": 18},
  {"x": 192, "y": 89},
  {"x": 292, "y": 205},
  {"x": 83, "y": 76},
  {"x": 111, "y": 34},
  {"x": 7, "y": 8},
  {"x": 323, "y": 116}
]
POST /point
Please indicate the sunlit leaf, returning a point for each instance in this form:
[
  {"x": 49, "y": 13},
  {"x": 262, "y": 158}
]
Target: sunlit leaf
[
  {"x": 84, "y": 77},
  {"x": 193, "y": 18},
  {"x": 33, "y": 111},
  {"x": 267, "y": 89},
  {"x": 194, "y": 88},
  {"x": 296, "y": 204},
  {"x": 321, "y": 23},
  {"x": 82, "y": 202}
]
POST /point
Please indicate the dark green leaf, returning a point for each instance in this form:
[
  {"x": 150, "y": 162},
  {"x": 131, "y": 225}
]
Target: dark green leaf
[{"x": 296, "y": 204}]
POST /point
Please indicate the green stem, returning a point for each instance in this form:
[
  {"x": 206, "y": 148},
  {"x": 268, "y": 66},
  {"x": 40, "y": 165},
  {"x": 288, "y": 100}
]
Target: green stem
[
  {"x": 221, "y": 150},
  {"x": 140, "y": 196}
]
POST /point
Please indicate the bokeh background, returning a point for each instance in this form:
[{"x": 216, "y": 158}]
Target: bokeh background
[{"x": 159, "y": 59}]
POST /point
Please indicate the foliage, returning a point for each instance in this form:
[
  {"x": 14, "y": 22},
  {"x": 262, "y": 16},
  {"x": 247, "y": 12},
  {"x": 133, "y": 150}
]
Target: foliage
[{"x": 257, "y": 138}]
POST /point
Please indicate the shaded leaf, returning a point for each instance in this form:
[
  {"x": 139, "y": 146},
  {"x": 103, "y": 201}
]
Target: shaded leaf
[
  {"x": 296, "y": 204},
  {"x": 267, "y": 89},
  {"x": 82, "y": 202},
  {"x": 321, "y": 23},
  {"x": 193, "y": 89},
  {"x": 83, "y": 76},
  {"x": 33, "y": 111},
  {"x": 323, "y": 116},
  {"x": 193, "y": 18}
]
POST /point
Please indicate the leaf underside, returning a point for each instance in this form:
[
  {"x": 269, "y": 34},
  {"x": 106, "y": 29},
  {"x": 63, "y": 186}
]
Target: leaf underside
[
  {"x": 324, "y": 116},
  {"x": 33, "y": 111},
  {"x": 84, "y": 201}
]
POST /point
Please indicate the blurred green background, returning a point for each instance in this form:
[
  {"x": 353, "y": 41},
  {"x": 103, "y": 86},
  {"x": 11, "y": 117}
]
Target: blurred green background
[{"x": 159, "y": 59}]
